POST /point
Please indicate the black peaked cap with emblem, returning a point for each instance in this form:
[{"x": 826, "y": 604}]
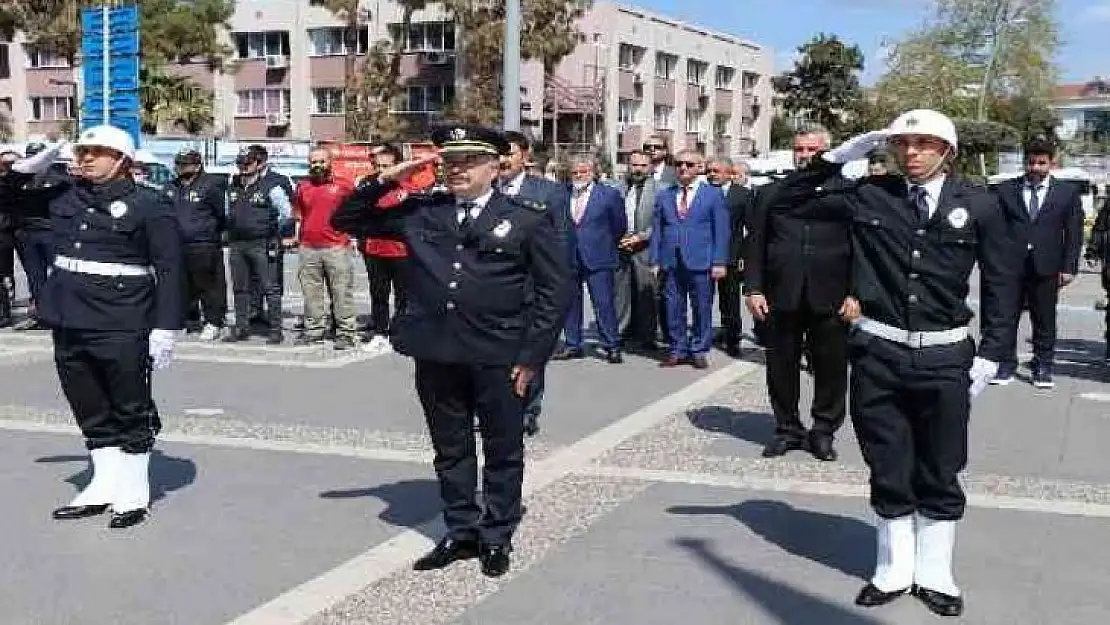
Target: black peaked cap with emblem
[{"x": 467, "y": 139}]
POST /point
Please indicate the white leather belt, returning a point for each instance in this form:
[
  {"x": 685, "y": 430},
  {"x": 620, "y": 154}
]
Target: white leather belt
[
  {"x": 915, "y": 340},
  {"x": 100, "y": 269}
]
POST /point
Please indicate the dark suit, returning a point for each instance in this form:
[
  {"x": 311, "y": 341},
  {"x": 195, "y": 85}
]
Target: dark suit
[
  {"x": 802, "y": 267},
  {"x": 730, "y": 290},
  {"x": 597, "y": 231},
  {"x": 685, "y": 248},
  {"x": 1049, "y": 244}
]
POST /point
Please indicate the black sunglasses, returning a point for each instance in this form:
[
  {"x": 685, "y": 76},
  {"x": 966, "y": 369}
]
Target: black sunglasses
[
  {"x": 654, "y": 146},
  {"x": 686, "y": 163}
]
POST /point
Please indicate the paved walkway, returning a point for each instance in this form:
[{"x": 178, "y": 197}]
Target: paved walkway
[{"x": 294, "y": 486}]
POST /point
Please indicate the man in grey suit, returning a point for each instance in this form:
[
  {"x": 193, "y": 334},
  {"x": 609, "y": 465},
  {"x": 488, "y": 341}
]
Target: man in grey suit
[
  {"x": 516, "y": 181},
  {"x": 636, "y": 293}
]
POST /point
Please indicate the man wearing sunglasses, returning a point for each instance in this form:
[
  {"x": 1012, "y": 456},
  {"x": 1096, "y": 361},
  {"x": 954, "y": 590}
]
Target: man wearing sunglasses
[
  {"x": 658, "y": 150},
  {"x": 487, "y": 279}
]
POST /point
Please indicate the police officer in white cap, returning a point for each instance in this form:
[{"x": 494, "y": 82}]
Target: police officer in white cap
[
  {"x": 915, "y": 366},
  {"x": 114, "y": 302}
]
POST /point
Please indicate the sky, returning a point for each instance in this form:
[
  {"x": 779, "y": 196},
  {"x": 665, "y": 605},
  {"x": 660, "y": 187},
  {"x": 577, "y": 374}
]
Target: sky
[{"x": 868, "y": 23}]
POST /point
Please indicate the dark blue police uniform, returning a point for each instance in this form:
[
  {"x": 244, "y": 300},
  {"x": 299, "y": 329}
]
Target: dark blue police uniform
[
  {"x": 199, "y": 207},
  {"x": 487, "y": 285},
  {"x": 117, "y": 275},
  {"x": 254, "y": 241}
]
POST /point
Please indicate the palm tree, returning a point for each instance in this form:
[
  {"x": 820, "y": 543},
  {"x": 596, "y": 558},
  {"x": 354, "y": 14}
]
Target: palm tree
[{"x": 171, "y": 100}]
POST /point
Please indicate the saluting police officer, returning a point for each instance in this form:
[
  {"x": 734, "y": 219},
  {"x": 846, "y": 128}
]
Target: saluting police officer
[
  {"x": 257, "y": 209},
  {"x": 114, "y": 303},
  {"x": 486, "y": 282},
  {"x": 915, "y": 366},
  {"x": 33, "y": 239}
]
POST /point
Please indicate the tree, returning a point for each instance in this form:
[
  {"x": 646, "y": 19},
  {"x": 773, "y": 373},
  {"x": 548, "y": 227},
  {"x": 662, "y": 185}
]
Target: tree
[
  {"x": 171, "y": 31},
  {"x": 824, "y": 83},
  {"x": 782, "y": 133},
  {"x": 169, "y": 100},
  {"x": 978, "y": 59},
  {"x": 548, "y": 34}
]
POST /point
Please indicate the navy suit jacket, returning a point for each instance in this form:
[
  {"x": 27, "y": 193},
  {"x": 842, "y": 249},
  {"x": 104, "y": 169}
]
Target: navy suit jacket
[
  {"x": 1054, "y": 238},
  {"x": 601, "y": 228},
  {"x": 557, "y": 199},
  {"x": 701, "y": 240}
]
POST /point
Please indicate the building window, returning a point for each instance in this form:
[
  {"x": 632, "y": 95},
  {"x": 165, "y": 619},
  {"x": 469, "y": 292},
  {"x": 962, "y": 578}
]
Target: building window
[
  {"x": 327, "y": 101},
  {"x": 330, "y": 41},
  {"x": 663, "y": 115},
  {"x": 725, "y": 76},
  {"x": 6, "y": 106},
  {"x": 720, "y": 125},
  {"x": 628, "y": 111},
  {"x": 748, "y": 82},
  {"x": 5, "y": 63},
  {"x": 426, "y": 36},
  {"x": 259, "y": 102},
  {"x": 40, "y": 58},
  {"x": 629, "y": 56},
  {"x": 665, "y": 65},
  {"x": 51, "y": 109},
  {"x": 693, "y": 121},
  {"x": 425, "y": 98},
  {"x": 695, "y": 72},
  {"x": 261, "y": 45}
]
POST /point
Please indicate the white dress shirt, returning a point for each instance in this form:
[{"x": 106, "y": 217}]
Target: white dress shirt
[
  {"x": 479, "y": 203},
  {"x": 932, "y": 192},
  {"x": 1042, "y": 190}
]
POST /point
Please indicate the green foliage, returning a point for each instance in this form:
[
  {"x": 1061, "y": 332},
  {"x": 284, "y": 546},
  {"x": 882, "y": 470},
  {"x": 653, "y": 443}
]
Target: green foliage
[
  {"x": 782, "y": 133},
  {"x": 824, "y": 83},
  {"x": 171, "y": 101}
]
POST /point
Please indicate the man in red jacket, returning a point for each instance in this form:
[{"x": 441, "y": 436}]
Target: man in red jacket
[
  {"x": 325, "y": 267},
  {"x": 384, "y": 258}
]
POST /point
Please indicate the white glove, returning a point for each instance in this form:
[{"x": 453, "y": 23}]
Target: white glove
[
  {"x": 857, "y": 147},
  {"x": 982, "y": 370},
  {"x": 161, "y": 347}
]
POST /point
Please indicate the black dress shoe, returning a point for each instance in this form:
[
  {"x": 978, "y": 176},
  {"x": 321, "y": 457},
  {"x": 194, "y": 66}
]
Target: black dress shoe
[
  {"x": 781, "y": 446},
  {"x": 614, "y": 357},
  {"x": 700, "y": 362},
  {"x": 79, "y": 512},
  {"x": 871, "y": 597},
  {"x": 733, "y": 350},
  {"x": 531, "y": 424},
  {"x": 122, "y": 520},
  {"x": 495, "y": 560},
  {"x": 448, "y": 551},
  {"x": 938, "y": 602},
  {"x": 821, "y": 446}
]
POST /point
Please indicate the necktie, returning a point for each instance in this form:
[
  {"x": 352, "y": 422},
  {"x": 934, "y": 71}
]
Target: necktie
[
  {"x": 465, "y": 209},
  {"x": 683, "y": 206},
  {"x": 580, "y": 206},
  {"x": 1034, "y": 202},
  {"x": 920, "y": 198}
]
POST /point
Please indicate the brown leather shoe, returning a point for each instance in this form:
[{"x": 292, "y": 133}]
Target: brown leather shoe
[{"x": 671, "y": 361}]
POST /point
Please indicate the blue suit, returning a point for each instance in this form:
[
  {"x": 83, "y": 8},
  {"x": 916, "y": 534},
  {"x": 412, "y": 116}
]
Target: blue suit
[
  {"x": 685, "y": 249},
  {"x": 596, "y": 258}
]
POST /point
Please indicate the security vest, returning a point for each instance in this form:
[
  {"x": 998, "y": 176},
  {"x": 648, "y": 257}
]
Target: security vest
[{"x": 251, "y": 214}]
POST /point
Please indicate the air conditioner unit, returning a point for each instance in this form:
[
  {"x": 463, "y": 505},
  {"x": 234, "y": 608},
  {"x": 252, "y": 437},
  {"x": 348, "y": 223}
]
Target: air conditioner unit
[
  {"x": 276, "y": 119},
  {"x": 435, "y": 58},
  {"x": 276, "y": 61}
]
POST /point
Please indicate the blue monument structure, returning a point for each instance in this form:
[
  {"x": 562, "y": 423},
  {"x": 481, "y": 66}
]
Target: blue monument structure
[{"x": 110, "y": 67}]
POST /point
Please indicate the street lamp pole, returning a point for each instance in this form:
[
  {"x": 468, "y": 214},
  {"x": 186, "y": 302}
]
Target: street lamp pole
[{"x": 510, "y": 104}]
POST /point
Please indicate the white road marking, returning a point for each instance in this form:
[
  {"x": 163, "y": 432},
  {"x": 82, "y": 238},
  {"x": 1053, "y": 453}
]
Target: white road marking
[
  {"x": 204, "y": 412},
  {"x": 1095, "y": 396},
  {"x": 388, "y": 455},
  {"x": 305, "y": 601},
  {"x": 782, "y": 485}
]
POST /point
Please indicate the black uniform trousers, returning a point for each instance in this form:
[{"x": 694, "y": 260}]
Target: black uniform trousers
[
  {"x": 7, "y": 273},
  {"x": 384, "y": 276},
  {"x": 910, "y": 410},
  {"x": 730, "y": 296},
  {"x": 255, "y": 259},
  {"x": 787, "y": 331},
  {"x": 1040, "y": 294},
  {"x": 259, "y": 295},
  {"x": 450, "y": 395},
  {"x": 105, "y": 375},
  {"x": 205, "y": 282},
  {"x": 36, "y": 254}
]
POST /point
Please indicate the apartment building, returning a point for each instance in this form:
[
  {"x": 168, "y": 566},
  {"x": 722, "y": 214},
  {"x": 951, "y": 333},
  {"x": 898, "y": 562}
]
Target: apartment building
[{"x": 632, "y": 74}]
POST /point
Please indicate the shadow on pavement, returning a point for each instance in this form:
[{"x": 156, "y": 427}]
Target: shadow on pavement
[
  {"x": 754, "y": 427},
  {"x": 841, "y": 543},
  {"x": 409, "y": 503},
  {"x": 788, "y": 605},
  {"x": 167, "y": 473}
]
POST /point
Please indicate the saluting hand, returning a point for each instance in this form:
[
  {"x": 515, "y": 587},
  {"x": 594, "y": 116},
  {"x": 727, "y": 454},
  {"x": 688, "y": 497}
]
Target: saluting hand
[{"x": 403, "y": 170}]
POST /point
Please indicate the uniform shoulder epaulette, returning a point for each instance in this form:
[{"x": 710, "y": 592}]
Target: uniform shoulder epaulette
[{"x": 534, "y": 205}]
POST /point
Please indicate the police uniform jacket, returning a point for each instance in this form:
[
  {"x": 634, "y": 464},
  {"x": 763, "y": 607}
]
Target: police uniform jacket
[
  {"x": 250, "y": 213},
  {"x": 489, "y": 293},
  {"x": 118, "y": 222},
  {"x": 914, "y": 276},
  {"x": 34, "y": 199},
  {"x": 797, "y": 254},
  {"x": 199, "y": 207}
]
